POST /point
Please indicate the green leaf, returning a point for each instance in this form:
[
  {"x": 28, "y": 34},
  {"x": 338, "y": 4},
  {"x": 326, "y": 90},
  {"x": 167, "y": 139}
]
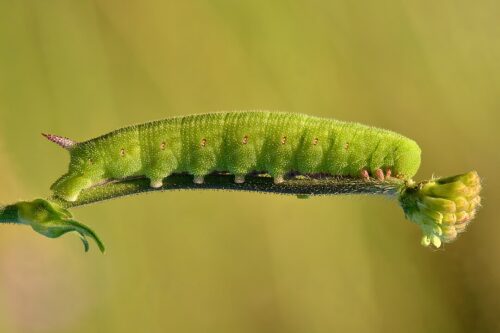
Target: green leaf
[{"x": 51, "y": 220}]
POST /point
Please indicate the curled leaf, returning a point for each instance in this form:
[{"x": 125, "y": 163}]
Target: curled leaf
[{"x": 52, "y": 220}]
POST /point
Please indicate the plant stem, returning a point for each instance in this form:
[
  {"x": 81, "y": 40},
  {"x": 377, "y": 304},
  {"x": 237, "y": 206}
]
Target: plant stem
[
  {"x": 8, "y": 214},
  {"x": 299, "y": 186},
  {"x": 441, "y": 207}
]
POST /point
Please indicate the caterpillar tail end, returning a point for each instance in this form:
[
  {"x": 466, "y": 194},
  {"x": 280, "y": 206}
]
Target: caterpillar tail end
[
  {"x": 68, "y": 187},
  {"x": 442, "y": 207},
  {"x": 51, "y": 220}
]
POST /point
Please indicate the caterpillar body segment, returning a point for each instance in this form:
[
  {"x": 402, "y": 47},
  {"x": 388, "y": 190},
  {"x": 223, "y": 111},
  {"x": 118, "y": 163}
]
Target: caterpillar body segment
[
  {"x": 239, "y": 143},
  {"x": 162, "y": 149}
]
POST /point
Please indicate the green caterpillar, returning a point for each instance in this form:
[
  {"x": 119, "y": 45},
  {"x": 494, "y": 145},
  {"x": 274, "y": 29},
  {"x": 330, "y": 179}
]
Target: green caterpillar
[{"x": 239, "y": 143}]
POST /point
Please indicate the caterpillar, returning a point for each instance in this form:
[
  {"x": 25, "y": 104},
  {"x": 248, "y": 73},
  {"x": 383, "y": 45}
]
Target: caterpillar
[{"x": 240, "y": 143}]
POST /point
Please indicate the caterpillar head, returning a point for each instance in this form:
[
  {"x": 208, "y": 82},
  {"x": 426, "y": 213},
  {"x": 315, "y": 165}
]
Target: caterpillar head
[{"x": 407, "y": 159}]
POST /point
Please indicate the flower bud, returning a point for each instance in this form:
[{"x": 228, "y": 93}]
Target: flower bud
[
  {"x": 461, "y": 203},
  {"x": 440, "y": 204},
  {"x": 443, "y": 207}
]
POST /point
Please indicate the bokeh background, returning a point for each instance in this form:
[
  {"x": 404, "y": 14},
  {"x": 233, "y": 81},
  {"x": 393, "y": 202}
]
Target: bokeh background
[{"x": 240, "y": 262}]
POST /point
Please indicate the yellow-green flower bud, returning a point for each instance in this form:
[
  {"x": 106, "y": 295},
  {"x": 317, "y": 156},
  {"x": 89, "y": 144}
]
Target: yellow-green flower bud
[
  {"x": 449, "y": 218},
  {"x": 440, "y": 204},
  {"x": 443, "y": 207},
  {"x": 461, "y": 204},
  {"x": 449, "y": 233}
]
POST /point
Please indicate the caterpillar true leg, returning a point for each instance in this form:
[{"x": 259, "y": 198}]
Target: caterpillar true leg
[
  {"x": 198, "y": 179},
  {"x": 388, "y": 173},
  {"x": 365, "y": 175},
  {"x": 379, "y": 174}
]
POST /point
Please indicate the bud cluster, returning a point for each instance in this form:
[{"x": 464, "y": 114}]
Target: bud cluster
[{"x": 442, "y": 207}]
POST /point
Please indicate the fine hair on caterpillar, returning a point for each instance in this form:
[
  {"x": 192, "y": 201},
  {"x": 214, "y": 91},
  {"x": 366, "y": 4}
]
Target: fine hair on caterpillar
[{"x": 239, "y": 143}]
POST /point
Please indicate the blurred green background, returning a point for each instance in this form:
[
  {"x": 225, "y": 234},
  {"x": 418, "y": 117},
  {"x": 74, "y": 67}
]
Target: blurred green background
[{"x": 239, "y": 262}]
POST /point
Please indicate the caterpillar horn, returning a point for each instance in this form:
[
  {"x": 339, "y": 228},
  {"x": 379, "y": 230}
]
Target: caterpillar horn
[{"x": 61, "y": 141}]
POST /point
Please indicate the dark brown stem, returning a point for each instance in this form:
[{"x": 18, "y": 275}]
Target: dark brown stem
[{"x": 299, "y": 186}]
